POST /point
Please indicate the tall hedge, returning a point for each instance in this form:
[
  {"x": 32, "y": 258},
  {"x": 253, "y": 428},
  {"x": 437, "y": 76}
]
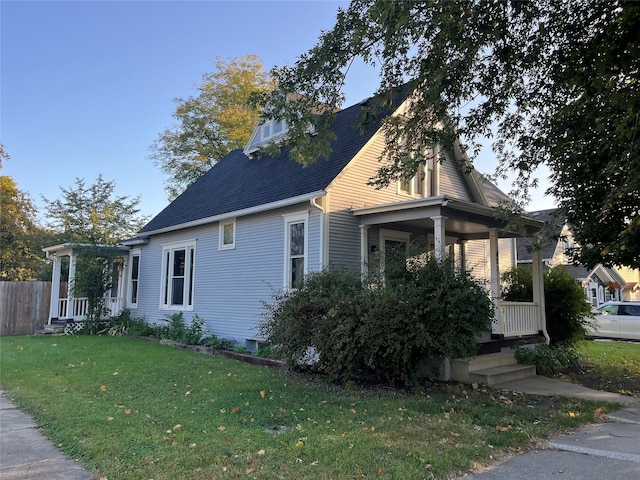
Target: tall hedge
[{"x": 386, "y": 328}]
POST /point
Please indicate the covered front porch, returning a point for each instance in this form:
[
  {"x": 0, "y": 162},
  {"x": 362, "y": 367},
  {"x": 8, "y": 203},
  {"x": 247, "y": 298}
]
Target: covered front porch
[
  {"x": 65, "y": 306},
  {"x": 475, "y": 237}
]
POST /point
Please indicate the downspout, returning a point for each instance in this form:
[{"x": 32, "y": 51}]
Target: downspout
[{"x": 314, "y": 203}]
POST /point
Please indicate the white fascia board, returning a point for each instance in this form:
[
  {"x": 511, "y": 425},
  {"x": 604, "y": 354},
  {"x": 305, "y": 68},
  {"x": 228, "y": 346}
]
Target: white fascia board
[
  {"x": 240, "y": 213},
  {"x": 403, "y": 205}
]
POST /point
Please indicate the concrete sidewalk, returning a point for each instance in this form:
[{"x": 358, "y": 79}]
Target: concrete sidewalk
[
  {"x": 26, "y": 454},
  {"x": 605, "y": 450}
]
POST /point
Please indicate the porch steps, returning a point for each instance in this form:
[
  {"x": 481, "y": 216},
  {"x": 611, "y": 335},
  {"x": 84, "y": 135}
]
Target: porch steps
[
  {"x": 56, "y": 326},
  {"x": 491, "y": 369}
]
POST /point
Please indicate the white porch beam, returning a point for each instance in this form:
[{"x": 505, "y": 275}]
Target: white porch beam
[
  {"x": 439, "y": 236},
  {"x": 364, "y": 250},
  {"x": 55, "y": 289},
  {"x": 494, "y": 267}
]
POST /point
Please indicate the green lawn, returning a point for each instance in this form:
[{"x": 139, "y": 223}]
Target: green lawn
[
  {"x": 609, "y": 366},
  {"x": 130, "y": 409}
]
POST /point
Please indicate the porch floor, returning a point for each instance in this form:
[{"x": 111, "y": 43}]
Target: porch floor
[{"x": 489, "y": 343}]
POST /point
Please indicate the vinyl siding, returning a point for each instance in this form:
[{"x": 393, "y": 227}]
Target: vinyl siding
[
  {"x": 350, "y": 190},
  {"x": 229, "y": 285},
  {"x": 477, "y": 257},
  {"x": 453, "y": 183}
]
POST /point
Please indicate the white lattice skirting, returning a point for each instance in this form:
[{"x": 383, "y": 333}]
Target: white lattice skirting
[{"x": 72, "y": 328}]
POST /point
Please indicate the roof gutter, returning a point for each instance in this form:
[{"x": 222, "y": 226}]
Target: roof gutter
[{"x": 237, "y": 213}]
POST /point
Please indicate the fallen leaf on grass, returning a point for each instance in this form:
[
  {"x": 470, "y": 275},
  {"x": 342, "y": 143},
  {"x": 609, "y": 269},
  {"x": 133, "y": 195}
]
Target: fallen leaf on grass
[
  {"x": 222, "y": 428},
  {"x": 261, "y": 452},
  {"x": 263, "y": 393},
  {"x": 234, "y": 409},
  {"x": 103, "y": 388}
]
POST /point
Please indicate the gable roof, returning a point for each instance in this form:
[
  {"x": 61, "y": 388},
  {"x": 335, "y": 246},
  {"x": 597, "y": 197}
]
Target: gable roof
[
  {"x": 240, "y": 183},
  {"x": 551, "y": 234}
]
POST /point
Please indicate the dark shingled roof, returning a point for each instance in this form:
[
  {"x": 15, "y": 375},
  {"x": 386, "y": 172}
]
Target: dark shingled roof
[
  {"x": 238, "y": 182},
  {"x": 551, "y": 233}
]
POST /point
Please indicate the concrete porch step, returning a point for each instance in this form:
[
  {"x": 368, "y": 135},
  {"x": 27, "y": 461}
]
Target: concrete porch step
[{"x": 506, "y": 373}]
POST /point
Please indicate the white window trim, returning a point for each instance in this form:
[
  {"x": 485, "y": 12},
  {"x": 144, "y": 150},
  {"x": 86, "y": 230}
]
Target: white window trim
[
  {"x": 189, "y": 275},
  {"x": 291, "y": 218},
  {"x": 221, "y": 244},
  {"x": 133, "y": 253}
]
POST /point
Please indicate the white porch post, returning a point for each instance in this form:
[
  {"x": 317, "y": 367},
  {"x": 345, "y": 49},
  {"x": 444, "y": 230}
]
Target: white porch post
[
  {"x": 439, "y": 236},
  {"x": 462, "y": 264},
  {"x": 364, "y": 250},
  {"x": 537, "y": 275},
  {"x": 494, "y": 266},
  {"x": 55, "y": 289},
  {"x": 71, "y": 285}
]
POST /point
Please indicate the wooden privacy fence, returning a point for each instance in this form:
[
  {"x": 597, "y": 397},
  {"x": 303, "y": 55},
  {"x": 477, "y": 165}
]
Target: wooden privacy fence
[{"x": 24, "y": 307}]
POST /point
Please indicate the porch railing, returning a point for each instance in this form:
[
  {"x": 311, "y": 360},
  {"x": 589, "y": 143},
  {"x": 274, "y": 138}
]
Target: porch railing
[
  {"x": 81, "y": 305},
  {"x": 520, "y": 318}
]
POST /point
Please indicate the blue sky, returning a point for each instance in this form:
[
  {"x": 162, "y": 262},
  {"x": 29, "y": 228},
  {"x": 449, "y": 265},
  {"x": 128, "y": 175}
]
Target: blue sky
[{"x": 86, "y": 86}]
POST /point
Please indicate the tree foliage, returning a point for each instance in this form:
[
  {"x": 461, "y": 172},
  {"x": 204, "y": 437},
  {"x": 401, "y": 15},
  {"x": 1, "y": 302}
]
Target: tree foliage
[
  {"x": 211, "y": 124},
  {"x": 21, "y": 238},
  {"x": 93, "y": 214},
  {"x": 551, "y": 82}
]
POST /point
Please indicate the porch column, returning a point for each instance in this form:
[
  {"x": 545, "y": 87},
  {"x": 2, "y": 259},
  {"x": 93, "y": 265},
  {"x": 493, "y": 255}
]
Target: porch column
[
  {"x": 439, "y": 236},
  {"x": 494, "y": 267},
  {"x": 364, "y": 250},
  {"x": 537, "y": 275},
  {"x": 55, "y": 289},
  {"x": 71, "y": 285},
  {"x": 462, "y": 262}
]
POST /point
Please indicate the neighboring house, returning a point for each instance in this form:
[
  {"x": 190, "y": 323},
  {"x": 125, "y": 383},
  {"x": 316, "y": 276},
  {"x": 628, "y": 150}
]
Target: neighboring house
[
  {"x": 251, "y": 226},
  {"x": 600, "y": 284}
]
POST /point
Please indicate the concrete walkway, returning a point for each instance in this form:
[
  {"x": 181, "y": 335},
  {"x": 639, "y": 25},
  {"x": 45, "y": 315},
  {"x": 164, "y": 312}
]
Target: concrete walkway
[
  {"x": 25, "y": 454},
  {"x": 596, "y": 452},
  {"x": 606, "y": 450}
]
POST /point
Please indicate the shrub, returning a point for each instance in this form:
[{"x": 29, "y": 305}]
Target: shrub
[
  {"x": 548, "y": 358},
  {"x": 424, "y": 311},
  {"x": 177, "y": 331},
  {"x": 566, "y": 307},
  {"x": 218, "y": 343},
  {"x": 125, "y": 324}
]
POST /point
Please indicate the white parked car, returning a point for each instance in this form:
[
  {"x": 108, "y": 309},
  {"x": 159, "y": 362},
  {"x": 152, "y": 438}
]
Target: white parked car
[{"x": 617, "y": 320}]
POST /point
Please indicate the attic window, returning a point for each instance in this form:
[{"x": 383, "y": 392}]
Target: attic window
[{"x": 266, "y": 132}]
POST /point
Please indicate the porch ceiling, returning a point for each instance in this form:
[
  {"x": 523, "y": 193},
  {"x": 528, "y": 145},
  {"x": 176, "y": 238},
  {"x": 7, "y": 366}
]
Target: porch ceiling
[{"x": 464, "y": 219}]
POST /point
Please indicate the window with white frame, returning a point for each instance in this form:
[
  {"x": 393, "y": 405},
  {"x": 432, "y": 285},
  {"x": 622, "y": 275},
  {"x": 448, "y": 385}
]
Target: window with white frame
[
  {"x": 227, "y": 234},
  {"x": 295, "y": 253},
  {"x": 178, "y": 263},
  {"x": 134, "y": 278}
]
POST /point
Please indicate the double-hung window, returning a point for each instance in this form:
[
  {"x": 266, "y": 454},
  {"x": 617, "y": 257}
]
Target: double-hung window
[
  {"x": 134, "y": 278},
  {"x": 295, "y": 253},
  {"x": 178, "y": 262}
]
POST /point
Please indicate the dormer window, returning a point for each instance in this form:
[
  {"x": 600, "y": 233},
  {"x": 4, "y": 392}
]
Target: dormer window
[{"x": 268, "y": 131}]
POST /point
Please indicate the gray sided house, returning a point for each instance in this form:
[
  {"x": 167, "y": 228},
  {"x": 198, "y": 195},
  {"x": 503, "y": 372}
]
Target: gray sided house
[{"x": 251, "y": 226}]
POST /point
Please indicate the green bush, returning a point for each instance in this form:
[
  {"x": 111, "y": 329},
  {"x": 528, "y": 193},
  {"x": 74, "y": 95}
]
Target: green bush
[
  {"x": 566, "y": 307},
  {"x": 548, "y": 358},
  {"x": 387, "y": 330},
  {"x": 125, "y": 324},
  {"x": 217, "y": 343},
  {"x": 178, "y": 331}
]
